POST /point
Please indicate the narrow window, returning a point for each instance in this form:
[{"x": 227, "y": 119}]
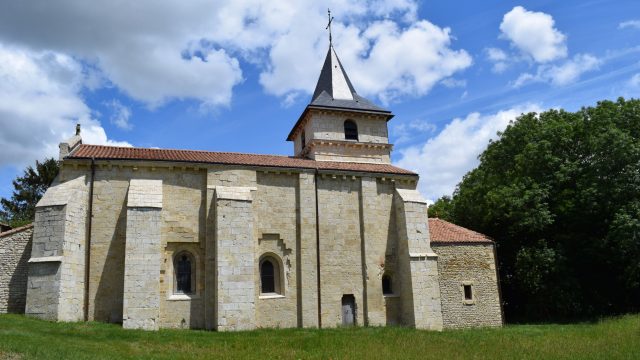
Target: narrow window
[
  {"x": 303, "y": 140},
  {"x": 387, "y": 285},
  {"x": 267, "y": 276},
  {"x": 468, "y": 294},
  {"x": 350, "y": 130},
  {"x": 184, "y": 273}
]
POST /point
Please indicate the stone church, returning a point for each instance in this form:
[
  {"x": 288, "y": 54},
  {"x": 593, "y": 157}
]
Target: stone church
[{"x": 332, "y": 236}]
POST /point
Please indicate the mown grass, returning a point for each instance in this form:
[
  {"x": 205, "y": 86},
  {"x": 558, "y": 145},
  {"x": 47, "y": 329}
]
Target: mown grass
[{"x": 25, "y": 338}]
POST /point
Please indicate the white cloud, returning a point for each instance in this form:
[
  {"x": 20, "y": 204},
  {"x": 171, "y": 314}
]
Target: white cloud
[
  {"x": 158, "y": 51},
  {"x": 443, "y": 159},
  {"x": 139, "y": 47},
  {"x": 40, "y": 105},
  {"x": 407, "y": 131},
  {"x": 534, "y": 34},
  {"x": 383, "y": 60},
  {"x": 499, "y": 59},
  {"x": 120, "y": 114},
  {"x": 563, "y": 74},
  {"x": 633, "y": 24}
]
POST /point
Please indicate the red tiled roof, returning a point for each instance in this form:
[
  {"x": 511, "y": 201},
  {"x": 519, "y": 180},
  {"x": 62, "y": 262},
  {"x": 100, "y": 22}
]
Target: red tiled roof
[
  {"x": 100, "y": 152},
  {"x": 441, "y": 231},
  {"x": 18, "y": 229}
]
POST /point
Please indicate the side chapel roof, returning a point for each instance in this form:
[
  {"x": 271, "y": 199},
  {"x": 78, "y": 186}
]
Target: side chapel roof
[{"x": 441, "y": 231}]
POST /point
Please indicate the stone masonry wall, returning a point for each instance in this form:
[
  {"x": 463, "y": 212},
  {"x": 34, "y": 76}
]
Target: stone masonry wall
[
  {"x": 460, "y": 264},
  {"x": 15, "y": 250},
  {"x": 275, "y": 226},
  {"x": 55, "y": 289},
  {"x": 235, "y": 247},
  {"x": 420, "y": 290},
  {"x": 380, "y": 247},
  {"x": 143, "y": 253},
  {"x": 341, "y": 270},
  {"x": 306, "y": 255}
]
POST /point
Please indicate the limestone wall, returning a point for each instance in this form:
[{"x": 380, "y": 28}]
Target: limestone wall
[
  {"x": 420, "y": 292},
  {"x": 275, "y": 208},
  {"x": 380, "y": 241},
  {"x": 55, "y": 289},
  {"x": 342, "y": 152},
  {"x": 235, "y": 247},
  {"x": 330, "y": 126},
  {"x": 143, "y": 253},
  {"x": 15, "y": 250},
  {"x": 473, "y": 265},
  {"x": 341, "y": 270},
  {"x": 183, "y": 222}
]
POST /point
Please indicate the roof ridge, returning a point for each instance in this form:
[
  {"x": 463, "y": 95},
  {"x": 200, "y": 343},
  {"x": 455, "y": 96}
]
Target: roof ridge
[{"x": 193, "y": 150}]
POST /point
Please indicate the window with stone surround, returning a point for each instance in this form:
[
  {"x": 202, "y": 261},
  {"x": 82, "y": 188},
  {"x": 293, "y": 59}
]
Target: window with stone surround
[
  {"x": 467, "y": 293},
  {"x": 350, "y": 130},
  {"x": 270, "y": 275},
  {"x": 184, "y": 266}
]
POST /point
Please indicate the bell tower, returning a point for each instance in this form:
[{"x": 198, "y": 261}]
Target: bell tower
[{"x": 339, "y": 124}]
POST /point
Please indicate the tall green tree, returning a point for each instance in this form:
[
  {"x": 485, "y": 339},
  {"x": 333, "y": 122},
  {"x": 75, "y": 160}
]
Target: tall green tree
[
  {"x": 28, "y": 189},
  {"x": 560, "y": 193}
]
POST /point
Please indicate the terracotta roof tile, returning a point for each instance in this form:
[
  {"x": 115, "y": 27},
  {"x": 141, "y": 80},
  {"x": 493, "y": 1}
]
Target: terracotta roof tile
[
  {"x": 441, "y": 231},
  {"x": 16, "y": 230},
  {"x": 100, "y": 152}
]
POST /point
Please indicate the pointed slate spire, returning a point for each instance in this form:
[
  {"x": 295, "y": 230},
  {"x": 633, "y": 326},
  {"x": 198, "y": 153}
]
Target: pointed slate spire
[
  {"x": 334, "y": 89},
  {"x": 333, "y": 79}
]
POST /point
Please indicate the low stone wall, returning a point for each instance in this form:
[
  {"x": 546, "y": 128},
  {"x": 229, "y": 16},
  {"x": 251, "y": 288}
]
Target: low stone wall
[
  {"x": 15, "y": 250},
  {"x": 474, "y": 265}
]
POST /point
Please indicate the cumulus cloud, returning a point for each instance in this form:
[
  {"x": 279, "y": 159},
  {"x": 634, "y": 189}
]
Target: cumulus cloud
[
  {"x": 384, "y": 60},
  {"x": 633, "y": 24},
  {"x": 120, "y": 114},
  {"x": 499, "y": 59},
  {"x": 158, "y": 51},
  {"x": 534, "y": 34},
  {"x": 40, "y": 105},
  {"x": 443, "y": 159},
  {"x": 563, "y": 74}
]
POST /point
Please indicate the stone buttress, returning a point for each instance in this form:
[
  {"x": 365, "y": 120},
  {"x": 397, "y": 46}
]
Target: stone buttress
[
  {"x": 55, "y": 289},
  {"x": 420, "y": 291},
  {"x": 141, "y": 303},
  {"x": 235, "y": 307}
]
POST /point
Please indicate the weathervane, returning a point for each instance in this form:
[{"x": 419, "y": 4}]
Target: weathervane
[{"x": 329, "y": 25}]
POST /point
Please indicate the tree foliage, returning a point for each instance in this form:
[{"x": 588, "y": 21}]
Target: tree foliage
[
  {"x": 560, "y": 193},
  {"x": 28, "y": 189}
]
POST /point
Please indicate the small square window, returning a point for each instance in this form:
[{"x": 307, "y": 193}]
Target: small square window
[{"x": 468, "y": 292}]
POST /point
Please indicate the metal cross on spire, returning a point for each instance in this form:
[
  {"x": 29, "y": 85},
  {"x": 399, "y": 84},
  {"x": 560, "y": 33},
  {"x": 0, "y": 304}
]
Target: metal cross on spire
[{"x": 329, "y": 25}]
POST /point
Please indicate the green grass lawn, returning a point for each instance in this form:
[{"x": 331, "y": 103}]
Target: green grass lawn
[{"x": 25, "y": 338}]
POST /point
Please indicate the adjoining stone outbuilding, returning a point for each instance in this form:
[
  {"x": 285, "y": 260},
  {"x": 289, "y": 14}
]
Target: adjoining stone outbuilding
[
  {"x": 333, "y": 235},
  {"x": 15, "y": 251}
]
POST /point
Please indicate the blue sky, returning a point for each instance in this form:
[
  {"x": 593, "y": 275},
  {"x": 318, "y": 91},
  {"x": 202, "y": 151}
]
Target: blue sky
[{"x": 235, "y": 75}]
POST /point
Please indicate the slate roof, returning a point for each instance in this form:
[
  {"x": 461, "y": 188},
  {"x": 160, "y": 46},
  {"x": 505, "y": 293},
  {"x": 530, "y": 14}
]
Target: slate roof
[
  {"x": 441, "y": 231},
  {"x": 100, "y": 152}
]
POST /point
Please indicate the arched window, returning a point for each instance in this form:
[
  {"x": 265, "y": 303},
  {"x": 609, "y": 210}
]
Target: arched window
[
  {"x": 270, "y": 276},
  {"x": 387, "y": 285},
  {"x": 350, "y": 130},
  {"x": 184, "y": 268}
]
